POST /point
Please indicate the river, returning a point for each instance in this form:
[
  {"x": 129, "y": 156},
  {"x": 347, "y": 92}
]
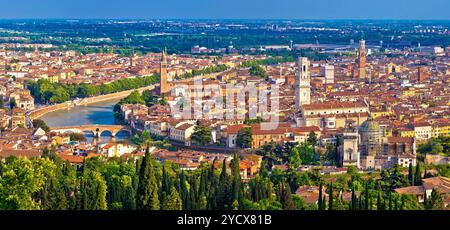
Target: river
[{"x": 100, "y": 113}]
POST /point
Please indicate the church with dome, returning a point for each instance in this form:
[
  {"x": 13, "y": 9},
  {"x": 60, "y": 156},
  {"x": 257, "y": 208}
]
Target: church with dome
[{"x": 367, "y": 147}]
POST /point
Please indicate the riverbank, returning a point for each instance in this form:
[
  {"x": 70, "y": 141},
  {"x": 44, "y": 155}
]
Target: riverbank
[{"x": 37, "y": 113}]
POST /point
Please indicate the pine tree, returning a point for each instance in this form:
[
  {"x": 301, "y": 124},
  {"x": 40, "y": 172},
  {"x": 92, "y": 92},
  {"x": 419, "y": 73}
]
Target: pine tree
[
  {"x": 172, "y": 201},
  {"x": 147, "y": 193},
  {"x": 410, "y": 175}
]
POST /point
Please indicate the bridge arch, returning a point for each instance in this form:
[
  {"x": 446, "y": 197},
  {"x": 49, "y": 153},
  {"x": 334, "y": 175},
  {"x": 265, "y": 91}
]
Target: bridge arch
[{"x": 96, "y": 130}]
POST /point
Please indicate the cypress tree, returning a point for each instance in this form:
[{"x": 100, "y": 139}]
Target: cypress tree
[
  {"x": 319, "y": 202},
  {"x": 390, "y": 200},
  {"x": 379, "y": 204},
  {"x": 193, "y": 195},
  {"x": 147, "y": 193},
  {"x": 360, "y": 203},
  {"x": 172, "y": 201},
  {"x": 330, "y": 199},
  {"x": 202, "y": 187},
  {"x": 395, "y": 203},
  {"x": 410, "y": 175},
  {"x": 353, "y": 201},
  {"x": 324, "y": 205},
  {"x": 402, "y": 204},
  {"x": 184, "y": 193},
  {"x": 203, "y": 202},
  {"x": 425, "y": 172},
  {"x": 425, "y": 201},
  {"x": 286, "y": 199},
  {"x": 418, "y": 176},
  {"x": 84, "y": 199},
  {"x": 223, "y": 174},
  {"x": 166, "y": 185},
  {"x": 236, "y": 188},
  {"x": 366, "y": 194}
]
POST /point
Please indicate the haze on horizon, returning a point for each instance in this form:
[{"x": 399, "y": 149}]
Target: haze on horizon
[{"x": 227, "y": 9}]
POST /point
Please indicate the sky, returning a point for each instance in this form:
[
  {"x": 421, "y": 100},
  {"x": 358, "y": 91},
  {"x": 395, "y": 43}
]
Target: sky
[{"x": 227, "y": 9}]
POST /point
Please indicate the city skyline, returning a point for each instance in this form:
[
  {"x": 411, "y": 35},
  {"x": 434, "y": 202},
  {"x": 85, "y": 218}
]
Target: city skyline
[{"x": 232, "y": 9}]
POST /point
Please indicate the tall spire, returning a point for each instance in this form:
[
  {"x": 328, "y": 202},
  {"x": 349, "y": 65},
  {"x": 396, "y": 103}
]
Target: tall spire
[
  {"x": 302, "y": 83},
  {"x": 164, "y": 86},
  {"x": 362, "y": 59}
]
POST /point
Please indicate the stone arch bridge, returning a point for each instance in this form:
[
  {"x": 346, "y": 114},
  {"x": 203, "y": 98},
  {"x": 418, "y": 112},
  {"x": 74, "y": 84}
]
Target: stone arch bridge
[{"x": 97, "y": 130}]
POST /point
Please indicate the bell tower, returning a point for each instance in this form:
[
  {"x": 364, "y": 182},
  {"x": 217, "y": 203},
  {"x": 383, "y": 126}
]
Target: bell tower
[
  {"x": 302, "y": 83},
  {"x": 163, "y": 84},
  {"x": 362, "y": 59}
]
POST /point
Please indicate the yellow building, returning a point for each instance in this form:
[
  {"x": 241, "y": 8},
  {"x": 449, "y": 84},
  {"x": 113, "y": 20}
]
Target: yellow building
[
  {"x": 406, "y": 132},
  {"x": 263, "y": 137},
  {"x": 60, "y": 139},
  {"x": 409, "y": 93},
  {"x": 441, "y": 129},
  {"x": 53, "y": 78},
  {"x": 376, "y": 114}
]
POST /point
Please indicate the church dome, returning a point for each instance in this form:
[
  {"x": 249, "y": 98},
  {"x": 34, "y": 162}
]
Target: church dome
[
  {"x": 371, "y": 137},
  {"x": 369, "y": 126}
]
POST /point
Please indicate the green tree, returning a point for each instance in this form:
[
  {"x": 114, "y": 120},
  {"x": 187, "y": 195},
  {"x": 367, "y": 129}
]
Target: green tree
[
  {"x": 312, "y": 139},
  {"x": 435, "y": 202},
  {"x": 147, "y": 193},
  {"x": 307, "y": 153},
  {"x": 2, "y": 103},
  {"x": 244, "y": 138},
  {"x": 286, "y": 197},
  {"x": 172, "y": 201},
  {"x": 12, "y": 103},
  {"x": 236, "y": 187},
  {"x": 294, "y": 159},
  {"x": 94, "y": 190},
  {"x": 201, "y": 135},
  {"x": 410, "y": 175},
  {"x": 418, "y": 175},
  {"x": 20, "y": 180},
  {"x": 257, "y": 70},
  {"x": 330, "y": 197},
  {"x": 77, "y": 137},
  {"x": 38, "y": 123},
  {"x": 320, "y": 200}
]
